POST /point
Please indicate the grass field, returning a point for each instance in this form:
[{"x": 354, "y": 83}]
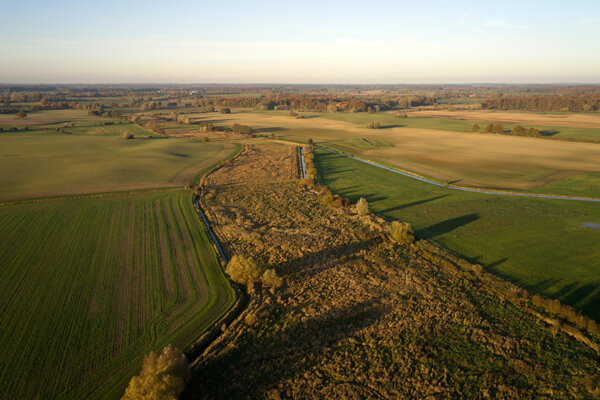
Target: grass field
[
  {"x": 543, "y": 245},
  {"x": 46, "y": 117},
  {"x": 89, "y": 286},
  {"x": 48, "y": 164}
]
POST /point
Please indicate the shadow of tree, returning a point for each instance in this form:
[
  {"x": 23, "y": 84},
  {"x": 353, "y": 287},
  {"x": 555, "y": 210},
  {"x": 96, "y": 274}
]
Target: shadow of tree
[
  {"x": 447, "y": 226},
  {"x": 414, "y": 203}
]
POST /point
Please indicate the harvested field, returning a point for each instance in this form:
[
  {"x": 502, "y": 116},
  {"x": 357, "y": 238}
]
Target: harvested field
[
  {"x": 557, "y": 119},
  {"x": 37, "y": 165},
  {"x": 490, "y": 161},
  {"x": 88, "y": 287},
  {"x": 359, "y": 317}
]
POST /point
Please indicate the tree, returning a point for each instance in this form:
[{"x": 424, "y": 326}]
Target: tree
[
  {"x": 225, "y": 110},
  {"x": 373, "y": 125},
  {"x": 518, "y": 130},
  {"x": 244, "y": 270},
  {"x": 127, "y": 135},
  {"x": 498, "y": 128},
  {"x": 475, "y": 128},
  {"x": 162, "y": 377},
  {"x": 488, "y": 128},
  {"x": 21, "y": 114},
  {"x": 362, "y": 207},
  {"x": 271, "y": 280},
  {"x": 309, "y": 141},
  {"x": 402, "y": 232},
  {"x": 533, "y": 132}
]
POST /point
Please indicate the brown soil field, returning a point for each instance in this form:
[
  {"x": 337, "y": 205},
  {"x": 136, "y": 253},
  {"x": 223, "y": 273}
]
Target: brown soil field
[
  {"x": 361, "y": 317},
  {"x": 576, "y": 120},
  {"x": 490, "y": 161}
]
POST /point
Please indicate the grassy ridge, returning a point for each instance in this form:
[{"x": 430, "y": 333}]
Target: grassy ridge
[
  {"x": 90, "y": 286},
  {"x": 540, "y": 244}
]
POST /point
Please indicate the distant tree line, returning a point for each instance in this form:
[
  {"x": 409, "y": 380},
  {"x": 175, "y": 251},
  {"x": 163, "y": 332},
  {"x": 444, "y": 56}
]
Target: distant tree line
[{"x": 574, "y": 103}]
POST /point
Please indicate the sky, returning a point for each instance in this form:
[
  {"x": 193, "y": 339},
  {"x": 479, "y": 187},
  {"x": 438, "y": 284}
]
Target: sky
[{"x": 435, "y": 41}]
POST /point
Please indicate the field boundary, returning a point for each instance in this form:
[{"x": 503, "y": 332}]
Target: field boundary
[{"x": 462, "y": 188}]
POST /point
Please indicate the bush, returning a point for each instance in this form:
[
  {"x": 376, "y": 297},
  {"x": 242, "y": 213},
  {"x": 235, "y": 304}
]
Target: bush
[
  {"x": 21, "y": 114},
  {"x": 402, "y": 232},
  {"x": 244, "y": 270},
  {"x": 498, "y": 128},
  {"x": 475, "y": 128},
  {"x": 373, "y": 125},
  {"x": 362, "y": 207},
  {"x": 162, "y": 377},
  {"x": 225, "y": 110},
  {"x": 292, "y": 113},
  {"x": 205, "y": 138},
  {"x": 127, "y": 135},
  {"x": 488, "y": 128},
  {"x": 271, "y": 280},
  {"x": 309, "y": 141}
]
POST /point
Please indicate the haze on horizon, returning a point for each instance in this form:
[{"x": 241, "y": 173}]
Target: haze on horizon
[{"x": 309, "y": 42}]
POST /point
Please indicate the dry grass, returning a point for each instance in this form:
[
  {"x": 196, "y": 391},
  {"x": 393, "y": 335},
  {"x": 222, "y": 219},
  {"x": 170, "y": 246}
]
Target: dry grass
[
  {"x": 360, "y": 317},
  {"x": 575, "y": 120}
]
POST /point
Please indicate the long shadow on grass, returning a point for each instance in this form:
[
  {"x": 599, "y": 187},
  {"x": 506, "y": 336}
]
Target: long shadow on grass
[
  {"x": 414, "y": 203},
  {"x": 447, "y": 226},
  {"x": 259, "y": 362},
  {"x": 585, "y": 297},
  {"x": 322, "y": 258}
]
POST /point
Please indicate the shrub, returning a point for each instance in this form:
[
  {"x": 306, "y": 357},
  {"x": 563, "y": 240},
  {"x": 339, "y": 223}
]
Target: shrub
[
  {"x": 498, "y": 128},
  {"x": 532, "y": 132},
  {"x": 362, "y": 207},
  {"x": 205, "y": 138},
  {"x": 225, "y": 110},
  {"x": 309, "y": 141},
  {"x": 162, "y": 377},
  {"x": 21, "y": 114},
  {"x": 300, "y": 116},
  {"x": 244, "y": 270},
  {"x": 127, "y": 135},
  {"x": 475, "y": 128},
  {"x": 488, "y": 128},
  {"x": 292, "y": 113},
  {"x": 373, "y": 125},
  {"x": 244, "y": 129},
  {"x": 271, "y": 280},
  {"x": 402, "y": 232}
]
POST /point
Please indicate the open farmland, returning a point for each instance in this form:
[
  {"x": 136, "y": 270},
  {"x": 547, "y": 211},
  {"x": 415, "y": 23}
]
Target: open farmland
[
  {"x": 89, "y": 286},
  {"x": 49, "y": 164},
  {"x": 46, "y": 117},
  {"x": 480, "y": 160},
  {"x": 543, "y": 245}
]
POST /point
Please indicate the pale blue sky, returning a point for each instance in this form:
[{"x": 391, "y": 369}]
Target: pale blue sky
[{"x": 65, "y": 41}]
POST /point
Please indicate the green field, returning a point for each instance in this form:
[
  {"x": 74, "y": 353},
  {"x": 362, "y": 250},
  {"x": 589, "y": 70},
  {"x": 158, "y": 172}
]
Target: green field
[
  {"x": 540, "y": 244},
  {"x": 89, "y": 286},
  {"x": 50, "y": 164}
]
